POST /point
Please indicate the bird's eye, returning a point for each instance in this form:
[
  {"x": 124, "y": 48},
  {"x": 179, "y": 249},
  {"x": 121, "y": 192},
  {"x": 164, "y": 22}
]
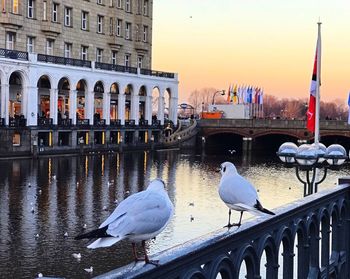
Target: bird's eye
[{"x": 224, "y": 169}]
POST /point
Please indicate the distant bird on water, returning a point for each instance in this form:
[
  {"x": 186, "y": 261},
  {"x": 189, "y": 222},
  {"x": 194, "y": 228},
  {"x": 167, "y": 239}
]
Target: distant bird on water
[
  {"x": 238, "y": 193},
  {"x": 138, "y": 218}
]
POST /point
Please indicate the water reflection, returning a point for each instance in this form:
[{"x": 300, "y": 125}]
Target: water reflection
[{"x": 67, "y": 192}]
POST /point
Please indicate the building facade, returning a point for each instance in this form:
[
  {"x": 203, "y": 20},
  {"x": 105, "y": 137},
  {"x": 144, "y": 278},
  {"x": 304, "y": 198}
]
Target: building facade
[{"x": 80, "y": 65}]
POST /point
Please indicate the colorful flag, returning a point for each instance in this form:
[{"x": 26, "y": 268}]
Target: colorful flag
[
  {"x": 235, "y": 97},
  {"x": 310, "y": 123},
  {"x": 349, "y": 108},
  {"x": 261, "y": 97},
  {"x": 228, "y": 94}
]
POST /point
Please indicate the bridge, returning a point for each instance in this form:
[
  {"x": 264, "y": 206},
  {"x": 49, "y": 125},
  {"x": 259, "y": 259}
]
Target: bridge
[
  {"x": 247, "y": 134},
  {"x": 305, "y": 239}
]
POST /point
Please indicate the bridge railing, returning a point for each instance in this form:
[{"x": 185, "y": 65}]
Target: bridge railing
[
  {"x": 270, "y": 123},
  {"x": 306, "y": 239}
]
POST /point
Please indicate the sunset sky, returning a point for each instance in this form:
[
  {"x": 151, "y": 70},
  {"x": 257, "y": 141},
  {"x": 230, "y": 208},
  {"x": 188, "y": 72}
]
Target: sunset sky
[{"x": 264, "y": 43}]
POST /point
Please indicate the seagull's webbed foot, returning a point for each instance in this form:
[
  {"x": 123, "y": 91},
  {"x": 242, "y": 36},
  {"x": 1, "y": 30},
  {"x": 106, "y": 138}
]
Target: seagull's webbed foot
[
  {"x": 232, "y": 225},
  {"x": 155, "y": 263}
]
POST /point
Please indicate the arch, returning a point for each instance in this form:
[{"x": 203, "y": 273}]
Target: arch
[
  {"x": 285, "y": 237},
  {"x": 16, "y": 85},
  {"x": 324, "y": 218},
  {"x": 98, "y": 101},
  {"x": 223, "y": 266},
  {"x": 267, "y": 245},
  {"x": 247, "y": 254},
  {"x": 142, "y": 103},
  {"x": 128, "y": 91},
  {"x": 314, "y": 248},
  {"x": 302, "y": 266},
  {"x": 82, "y": 91},
  {"x": 194, "y": 273},
  {"x": 155, "y": 103},
  {"x": 63, "y": 99},
  {"x": 167, "y": 103},
  {"x": 114, "y": 90},
  {"x": 44, "y": 87}
]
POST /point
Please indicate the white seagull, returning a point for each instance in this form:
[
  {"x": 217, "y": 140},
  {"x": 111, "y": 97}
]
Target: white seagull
[
  {"x": 138, "y": 218},
  {"x": 238, "y": 193}
]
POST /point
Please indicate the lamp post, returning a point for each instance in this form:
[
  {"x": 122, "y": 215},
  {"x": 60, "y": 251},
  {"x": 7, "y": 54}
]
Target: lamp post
[
  {"x": 222, "y": 93},
  {"x": 310, "y": 158}
]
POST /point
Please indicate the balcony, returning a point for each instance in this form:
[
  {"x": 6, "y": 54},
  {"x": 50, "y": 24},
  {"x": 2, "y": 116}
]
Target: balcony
[
  {"x": 64, "y": 122},
  {"x": 149, "y": 72},
  {"x": 17, "y": 122},
  {"x": 63, "y": 61},
  {"x": 83, "y": 123},
  {"x": 130, "y": 123},
  {"x": 14, "y": 54},
  {"x": 45, "y": 122},
  {"x": 11, "y": 20},
  {"x": 100, "y": 123},
  {"x": 116, "y": 68},
  {"x": 115, "y": 123}
]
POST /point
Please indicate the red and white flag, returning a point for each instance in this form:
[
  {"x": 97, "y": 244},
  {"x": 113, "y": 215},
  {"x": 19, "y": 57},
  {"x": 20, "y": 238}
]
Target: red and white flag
[{"x": 311, "y": 112}]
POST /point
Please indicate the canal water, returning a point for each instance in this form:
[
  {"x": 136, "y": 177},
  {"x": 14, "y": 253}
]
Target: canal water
[{"x": 43, "y": 200}]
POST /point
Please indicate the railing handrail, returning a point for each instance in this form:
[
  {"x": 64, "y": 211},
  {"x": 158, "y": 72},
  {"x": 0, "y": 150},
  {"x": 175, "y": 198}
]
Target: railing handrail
[
  {"x": 13, "y": 54},
  {"x": 224, "y": 250},
  {"x": 63, "y": 60}
]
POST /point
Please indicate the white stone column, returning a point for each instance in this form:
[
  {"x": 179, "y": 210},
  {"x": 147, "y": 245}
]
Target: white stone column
[
  {"x": 89, "y": 106},
  {"x": 135, "y": 108},
  {"x": 121, "y": 107},
  {"x": 173, "y": 109},
  {"x": 107, "y": 107},
  {"x": 53, "y": 105},
  {"x": 5, "y": 97},
  {"x": 73, "y": 106},
  {"x": 24, "y": 101},
  {"x": 148, "y": 109},
  {"x": 160, "y": 113},
  {"x": 31, "y": 106}
]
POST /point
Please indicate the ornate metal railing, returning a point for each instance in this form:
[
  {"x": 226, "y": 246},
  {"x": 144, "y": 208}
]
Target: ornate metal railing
[
  {"x": 114, "y": 123},
  {"x": 63, "y": 60},
  {"x": 13, "y": 54},
  {"x": 156, "y": 123},
  {"x": 116, "y": 68},
  {"x": 143, "y": 122},
  {"x": 130, "y": 123},
  {"x": 17, "y": 122},
  {"x": 64, "y": 122},
  {"x": 306, "y": 239},
  {"x": 150, "y": 72},
  {"x": 100, "y": 123},
  {"x": 45, "y": 122},
  {"x": 83, "y": 122}
]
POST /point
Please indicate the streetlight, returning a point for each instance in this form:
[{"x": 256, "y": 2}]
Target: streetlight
[
  {"x": 222, "y": 93},
  {"x": 310, "y": 158}
]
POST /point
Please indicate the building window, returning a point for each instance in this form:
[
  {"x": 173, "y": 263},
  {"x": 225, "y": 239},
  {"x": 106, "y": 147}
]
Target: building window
[
  {"x": 84, "y": 20},
  {"x": 111, "y": 3},
  {"x": 99, "y": 54},
  {"x": 145, "y": 34},
  {"x": 30, "y": 9},
  {"x": 100, "y": 2},
  {"x": 55, "y": 12},
  {"x": 119, "y": 4},
  {"x": 139, "y": 61},
  {"x": 114, "y": 57},
  {"x": 128, "y": 31},
  {"x": 119, "y": 28},
  {"x": 128, "y": 6},
  {"x": 49, "y": 47},
  {"x": 145, "y": 7},
  {"x": 127, "y": 60},
  {"x": 10, "y": 40},
  {"x": 111, "y": 26},
  {"x": 30, "y": 44},
  {"x": 137, "y": 33},
  {"x": 99, "y": 24},
  {"x": 16, "y": 139},
  {"x": 68, "y": 50},
  {"x": 44, "y": 10},
  {"x": 84, "y": 53},
  {"x": 139, "y": 6},
  {"x": 67, "y": 16},
  {"x": 15, "y": 6}
]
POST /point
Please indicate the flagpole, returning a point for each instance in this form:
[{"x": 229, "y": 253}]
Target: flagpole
[{"x": 318, "y": 76}]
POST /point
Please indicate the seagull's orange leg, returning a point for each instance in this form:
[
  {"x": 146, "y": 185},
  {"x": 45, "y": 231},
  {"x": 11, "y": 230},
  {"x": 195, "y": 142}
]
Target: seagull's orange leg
[{"x": 147, "y": 260}]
